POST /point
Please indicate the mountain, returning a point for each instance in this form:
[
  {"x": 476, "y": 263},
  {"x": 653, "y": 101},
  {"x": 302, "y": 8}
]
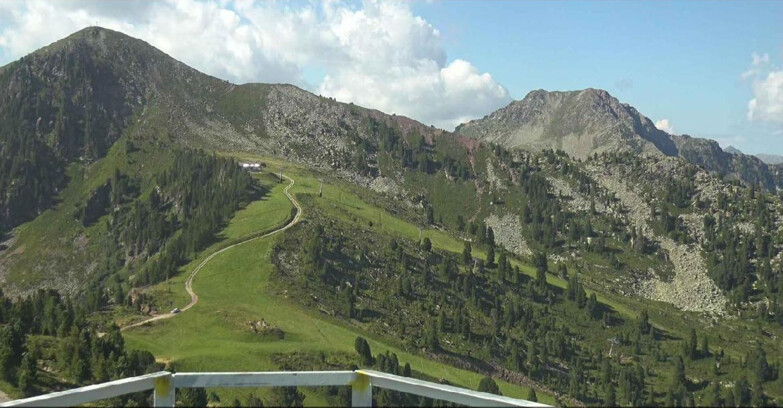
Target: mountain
[
  {"x": 579, "y": 122},
  {"x": 583, "y": 123},
  {"x": 732, "y": 150},
  {"x": 773, "y": 159},
  {"x": 100, "y": 106},
  {"x": 118, "y": 176},
  {"x": 70, "y": 101}
]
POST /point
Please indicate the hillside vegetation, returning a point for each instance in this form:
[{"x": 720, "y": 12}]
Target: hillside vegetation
[
  {"x": 562, "y": 244},
  {"x": 583, "y": 123}
]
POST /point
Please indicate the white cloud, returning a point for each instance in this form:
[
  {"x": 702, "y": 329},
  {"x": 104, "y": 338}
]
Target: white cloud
[
  {"x": 375, "y": 54},
  {"x": 767, "y": 102},
  {"x": 396, "y": 63},
  {"x": 758, "y": 61},
  {"x": 664, "y": 125}
]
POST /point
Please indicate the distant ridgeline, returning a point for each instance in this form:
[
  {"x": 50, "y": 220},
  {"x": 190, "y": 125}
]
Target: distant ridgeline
[
  {"x": 559, "y": 218},
  {"x": 583, "y": 123}
]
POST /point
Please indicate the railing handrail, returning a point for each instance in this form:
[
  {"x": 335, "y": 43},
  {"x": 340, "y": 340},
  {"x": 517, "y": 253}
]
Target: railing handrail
[
  {"x": 95, "y": 392},
  {"x": 269, "y": 379},
  {"x": 443, "y": 392},
  {"x": 164, "y": 384}
]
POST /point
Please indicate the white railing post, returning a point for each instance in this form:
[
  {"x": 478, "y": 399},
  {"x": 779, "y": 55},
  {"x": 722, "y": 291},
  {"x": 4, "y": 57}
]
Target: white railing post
[
  {"x": 164, "y": 391},
  {"x": 90, "y": 393},
  {"x": 164, "y": 385},
  {"x": 361, "y": 391}
]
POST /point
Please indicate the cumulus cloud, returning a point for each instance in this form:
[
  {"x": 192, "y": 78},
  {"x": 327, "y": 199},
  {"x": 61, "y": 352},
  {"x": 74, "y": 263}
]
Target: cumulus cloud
[
  {"x": 377, "y": 54},
  {"x": 767, "y": 105},
  {"x": 767, "y": 85},
  {"x": 758, "y": 61},
  {"x": 664, "y": 125},
  {"x": 396, "y": 63}
]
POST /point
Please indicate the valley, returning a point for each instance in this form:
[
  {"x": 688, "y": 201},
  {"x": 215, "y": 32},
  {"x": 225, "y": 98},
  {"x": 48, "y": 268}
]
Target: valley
[{"x": 562, "y": 245}]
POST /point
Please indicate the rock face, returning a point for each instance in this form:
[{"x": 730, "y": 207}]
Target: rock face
[
  {"x": 590, "y": 121},
  {"x": 507, "y": 230},
  {"x": 733, "y": 150},
  {"x": 708, "y": 154},
  {"x": 691, "y": 289},
  {"x": 579, "y": 122}
]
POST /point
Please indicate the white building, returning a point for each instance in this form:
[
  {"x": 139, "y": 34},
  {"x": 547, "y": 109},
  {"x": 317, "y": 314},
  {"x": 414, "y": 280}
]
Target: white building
[{"x": 251, "y": 166}]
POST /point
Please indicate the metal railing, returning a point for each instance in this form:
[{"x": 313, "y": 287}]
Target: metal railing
[{"x": 164, "y": 385}]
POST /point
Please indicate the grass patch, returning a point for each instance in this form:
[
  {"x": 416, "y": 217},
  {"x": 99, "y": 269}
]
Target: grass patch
[{"x": 234, "y": 288}]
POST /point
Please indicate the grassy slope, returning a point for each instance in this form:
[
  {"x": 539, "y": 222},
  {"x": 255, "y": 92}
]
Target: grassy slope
[
  {"x": 234, "y": 288},
  {"x": 735, "y": 336},
  {"x": 299, "y": 323},
  {"x": 56, "y": 233},
  {"x": 385, "y": 222},
  {"x": 268, "y": 212}
]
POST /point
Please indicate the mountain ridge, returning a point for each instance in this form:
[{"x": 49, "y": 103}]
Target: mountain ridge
[
  {"x": 590, "y": 121},
  {"x": 403, "y": 220},
  {"x": 771, "y": 159},
  {"x": 74, "y": 98},
  {"x": 372, "y": 149}
]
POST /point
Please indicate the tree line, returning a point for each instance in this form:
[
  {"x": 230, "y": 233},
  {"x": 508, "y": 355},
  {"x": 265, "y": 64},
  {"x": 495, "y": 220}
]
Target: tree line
[{"x": 48, "y": 330}]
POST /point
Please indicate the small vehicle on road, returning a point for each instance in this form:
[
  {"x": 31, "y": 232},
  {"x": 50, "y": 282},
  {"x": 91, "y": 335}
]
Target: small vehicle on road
[{"x": 175, "y": 310}]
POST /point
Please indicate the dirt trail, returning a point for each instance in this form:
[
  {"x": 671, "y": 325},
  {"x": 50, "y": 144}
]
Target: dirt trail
[{"x": 189, "y": 281}]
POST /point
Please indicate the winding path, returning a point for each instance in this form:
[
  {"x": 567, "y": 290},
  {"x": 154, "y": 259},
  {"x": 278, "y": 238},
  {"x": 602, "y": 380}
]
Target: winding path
[{"x": 189, "y": 281}]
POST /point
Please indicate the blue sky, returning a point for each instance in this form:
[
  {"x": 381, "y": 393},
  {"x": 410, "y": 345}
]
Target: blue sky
[
  {"x": 682, "y": 59},
  {"x": 685, "y": 64}
]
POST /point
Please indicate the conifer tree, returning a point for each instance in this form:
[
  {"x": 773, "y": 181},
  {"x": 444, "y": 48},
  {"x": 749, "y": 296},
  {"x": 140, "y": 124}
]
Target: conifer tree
[
  {"x": 286, "y": 397},
  {"x": 28, "y": 374},
  {"x": 531, "y": 396},
  {"x": 489, "y": 385},
  {"x": 467, "y": 257}
]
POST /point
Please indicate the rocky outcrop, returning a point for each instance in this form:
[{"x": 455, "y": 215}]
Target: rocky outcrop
[
  {"x": 690, "y": 289},
  {"x": 579, "y": 122},
  {"x": 590, "y": 121},
  {"x": 508, "y": 233}
]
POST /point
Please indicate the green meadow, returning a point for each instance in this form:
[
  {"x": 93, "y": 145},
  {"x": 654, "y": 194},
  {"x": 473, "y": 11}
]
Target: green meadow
[{"x": 234, "y": 288}]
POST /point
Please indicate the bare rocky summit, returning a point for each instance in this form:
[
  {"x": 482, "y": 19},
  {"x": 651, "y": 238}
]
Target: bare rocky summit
[
  {"x": 583, "y": 123},
  {"x": 773, "y": 159},
  {"x": 578, "y": 122}
]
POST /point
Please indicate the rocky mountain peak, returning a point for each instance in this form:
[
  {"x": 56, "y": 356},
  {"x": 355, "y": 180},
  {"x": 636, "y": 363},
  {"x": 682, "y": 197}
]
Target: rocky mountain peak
[
  {"x": 579, "y": 122},
  {"x": 590, "y": 121},
  {"x": 732, "y": 150}
]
